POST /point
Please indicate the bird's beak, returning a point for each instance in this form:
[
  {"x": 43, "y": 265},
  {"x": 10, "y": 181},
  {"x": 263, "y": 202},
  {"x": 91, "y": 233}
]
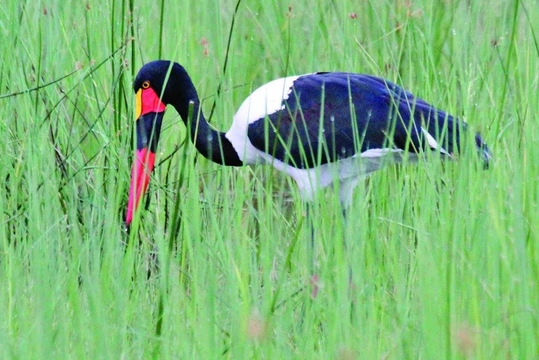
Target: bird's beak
[{"x": 149, "y": 116}]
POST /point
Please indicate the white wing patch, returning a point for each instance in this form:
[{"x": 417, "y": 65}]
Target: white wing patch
[
  {"x": 264, "y": 101},
  {"x": 376, "y": 153},
  {"x": 433, "y": 143}
]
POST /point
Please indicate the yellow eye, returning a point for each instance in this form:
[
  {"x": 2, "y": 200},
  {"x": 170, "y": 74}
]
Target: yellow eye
[{"x": 146, "y": 84}]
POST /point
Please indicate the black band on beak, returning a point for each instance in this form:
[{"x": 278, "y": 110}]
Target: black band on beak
[{"x": 148, "y": 130}]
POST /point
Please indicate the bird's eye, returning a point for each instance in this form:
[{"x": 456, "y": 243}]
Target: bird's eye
[{"x": 146, "y": 84}]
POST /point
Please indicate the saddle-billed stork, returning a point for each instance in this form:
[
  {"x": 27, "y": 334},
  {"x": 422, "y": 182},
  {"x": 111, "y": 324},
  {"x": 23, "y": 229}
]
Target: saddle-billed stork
[{"x": 318, "y": 128}]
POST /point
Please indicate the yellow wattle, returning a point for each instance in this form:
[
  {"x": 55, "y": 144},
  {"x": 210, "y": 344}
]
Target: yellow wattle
[{"x": 138, "y": 105}]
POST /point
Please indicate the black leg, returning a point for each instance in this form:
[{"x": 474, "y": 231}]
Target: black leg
[
  {"x": 345, "y": 245},
  {"x": 314, "y": 280}
]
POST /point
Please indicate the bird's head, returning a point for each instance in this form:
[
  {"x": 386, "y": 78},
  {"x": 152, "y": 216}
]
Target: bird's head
[
  {"x": 166, "y": 78},
  {"x": 156, "y": 85}
]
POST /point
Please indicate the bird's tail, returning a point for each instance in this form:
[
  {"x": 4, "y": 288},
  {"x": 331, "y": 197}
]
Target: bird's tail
[{"x": 483, "y": 150}]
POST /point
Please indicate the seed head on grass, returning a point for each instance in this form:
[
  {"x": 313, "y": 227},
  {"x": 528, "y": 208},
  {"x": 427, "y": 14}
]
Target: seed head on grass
[
  {"x": 465, "y": 340},
  {"x": 346, "y": 353},
  {"x": 256, "y": 327}
]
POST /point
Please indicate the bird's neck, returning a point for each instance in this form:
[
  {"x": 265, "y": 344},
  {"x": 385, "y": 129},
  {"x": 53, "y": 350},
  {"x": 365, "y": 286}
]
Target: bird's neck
[{"x": 212, "y": 144}]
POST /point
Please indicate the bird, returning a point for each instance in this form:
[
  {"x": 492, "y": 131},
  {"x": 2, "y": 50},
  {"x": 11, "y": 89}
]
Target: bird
[{"x": 318, "y": 128}]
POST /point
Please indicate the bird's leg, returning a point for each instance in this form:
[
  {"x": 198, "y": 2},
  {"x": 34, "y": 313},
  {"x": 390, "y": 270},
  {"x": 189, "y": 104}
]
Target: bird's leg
[
  {"x": 315, "y": 279},
  {"x": 348, "y": 259},
  {"x": 345, "y": 246},
  {"x": 310, "y": 218},
  {"x": 346, "y": 192},
  {"x": 344, "y": 241}
]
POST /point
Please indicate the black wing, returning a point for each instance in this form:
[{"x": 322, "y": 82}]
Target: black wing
[{"x": 332, "y": 116}]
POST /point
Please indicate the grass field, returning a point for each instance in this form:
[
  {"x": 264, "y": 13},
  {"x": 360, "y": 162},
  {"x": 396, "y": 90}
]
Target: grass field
[{"x": 445, "y": 256}]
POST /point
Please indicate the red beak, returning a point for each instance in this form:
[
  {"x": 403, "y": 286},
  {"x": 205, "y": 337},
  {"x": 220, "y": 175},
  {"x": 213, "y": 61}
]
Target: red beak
[
  {"x": 140, "y": 178},
  {"x": 150, "y": 111}
]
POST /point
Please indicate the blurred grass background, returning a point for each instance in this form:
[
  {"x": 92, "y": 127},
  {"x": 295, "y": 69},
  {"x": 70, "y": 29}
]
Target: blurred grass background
[{"x": 445, "y": 256}]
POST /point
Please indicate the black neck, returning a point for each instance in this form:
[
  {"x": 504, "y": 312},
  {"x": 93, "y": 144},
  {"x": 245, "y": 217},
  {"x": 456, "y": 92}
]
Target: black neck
[{"x": 212, "y": 144}]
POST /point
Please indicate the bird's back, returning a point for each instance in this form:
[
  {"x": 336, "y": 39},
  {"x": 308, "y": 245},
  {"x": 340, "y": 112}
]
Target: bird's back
[{"x": 326, "y": 117}]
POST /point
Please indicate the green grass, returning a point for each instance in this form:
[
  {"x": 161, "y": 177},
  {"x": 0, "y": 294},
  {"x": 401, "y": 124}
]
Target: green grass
[{"x": 445, "y": 256}]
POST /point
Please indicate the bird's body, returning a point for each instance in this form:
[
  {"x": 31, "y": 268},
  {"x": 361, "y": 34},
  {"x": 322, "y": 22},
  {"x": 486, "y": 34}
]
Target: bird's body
[{"x": 318, "y": 128}]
